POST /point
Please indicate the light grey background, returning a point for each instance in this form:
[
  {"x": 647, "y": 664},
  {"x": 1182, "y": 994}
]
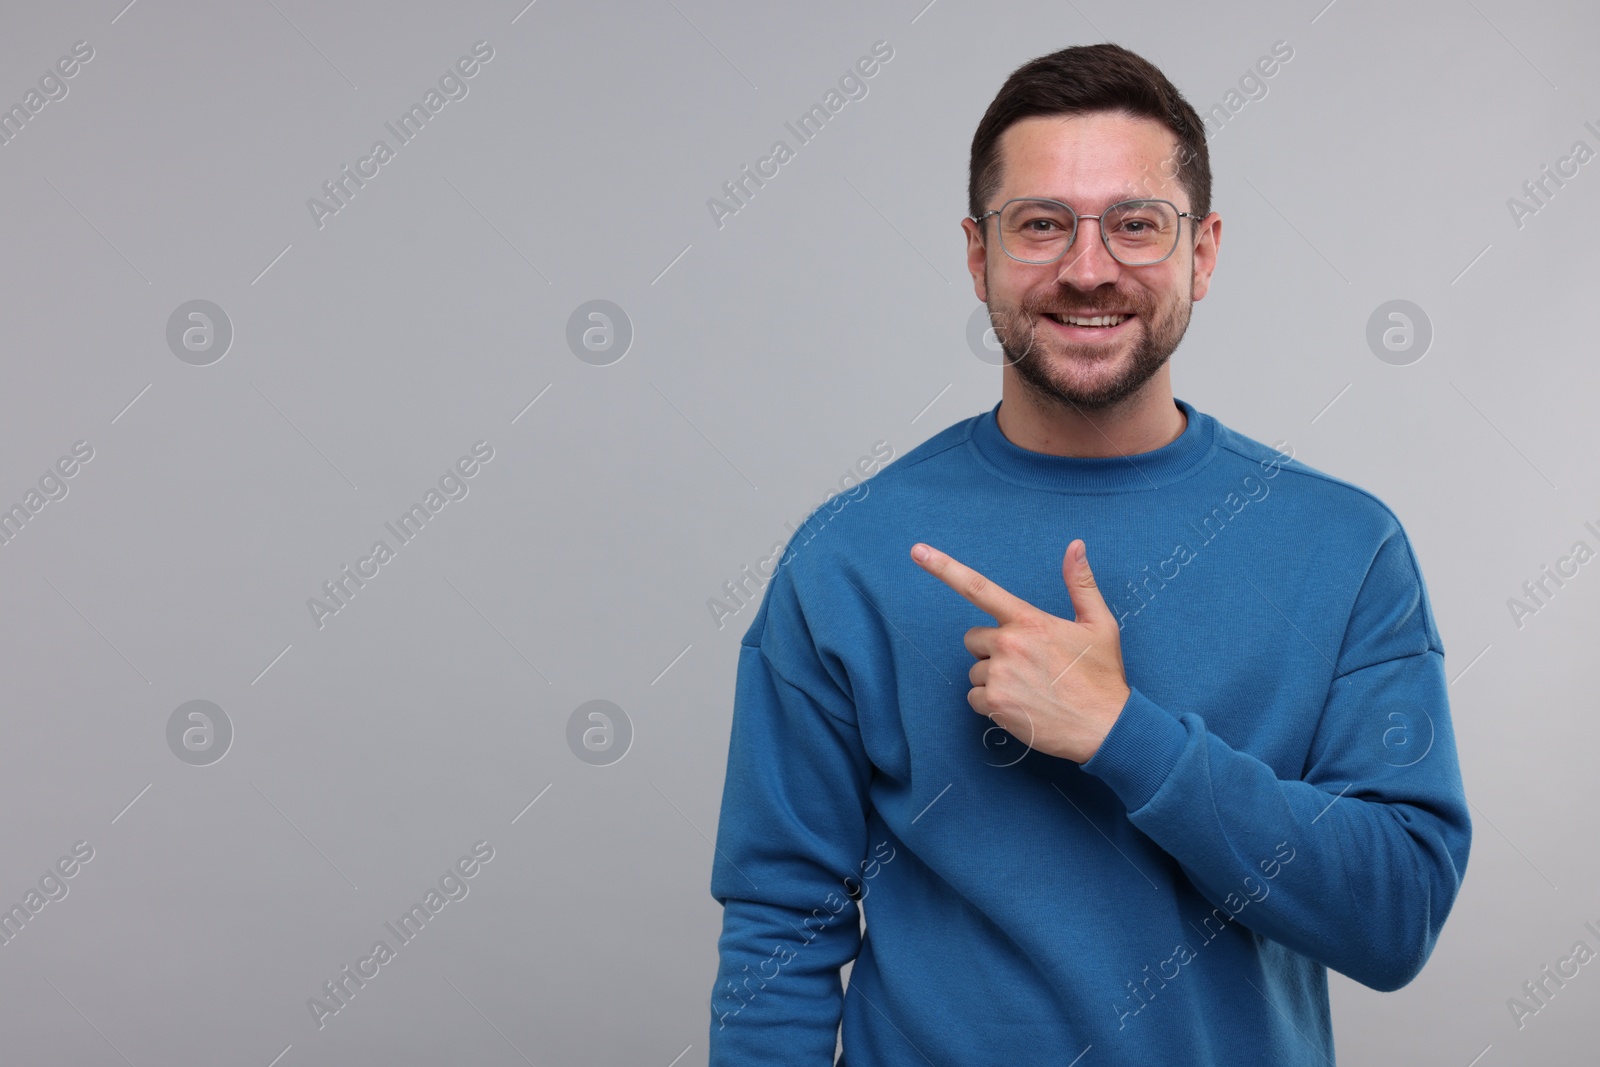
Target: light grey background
[{"x": 768, "y": 356}]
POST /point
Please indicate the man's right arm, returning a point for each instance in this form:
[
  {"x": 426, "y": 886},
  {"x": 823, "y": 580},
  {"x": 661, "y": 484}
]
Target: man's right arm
[{"x": 790, "y": 844}]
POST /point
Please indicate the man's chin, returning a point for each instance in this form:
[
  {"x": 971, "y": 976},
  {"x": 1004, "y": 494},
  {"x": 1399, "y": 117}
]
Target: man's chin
[
  {"x": 1086, "y": 376},
  {"x": 1100, "y": 363}
]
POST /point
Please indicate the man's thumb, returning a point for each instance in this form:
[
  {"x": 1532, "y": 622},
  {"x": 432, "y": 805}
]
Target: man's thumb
[{"x": 1087, "y": 603}]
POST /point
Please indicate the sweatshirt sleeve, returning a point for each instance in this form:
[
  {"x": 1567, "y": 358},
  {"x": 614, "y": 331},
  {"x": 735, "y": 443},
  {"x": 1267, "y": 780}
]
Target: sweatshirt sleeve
[
  {"x": 791, "y": 834},
  {"x": 1358, "y": 862}
]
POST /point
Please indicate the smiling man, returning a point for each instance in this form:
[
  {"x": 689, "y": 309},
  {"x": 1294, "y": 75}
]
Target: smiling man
[{"x": 1082, "y": 835}]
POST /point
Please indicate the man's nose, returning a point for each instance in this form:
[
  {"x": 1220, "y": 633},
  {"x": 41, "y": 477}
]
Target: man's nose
[{"x": 1088, "y": 263}]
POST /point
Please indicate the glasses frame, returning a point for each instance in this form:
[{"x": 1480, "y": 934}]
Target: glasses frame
[{"x": 1077, "y": 218}]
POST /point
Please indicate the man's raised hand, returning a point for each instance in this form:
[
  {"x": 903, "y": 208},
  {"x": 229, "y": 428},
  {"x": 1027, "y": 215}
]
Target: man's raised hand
[{"x": 1055, "y": 684}]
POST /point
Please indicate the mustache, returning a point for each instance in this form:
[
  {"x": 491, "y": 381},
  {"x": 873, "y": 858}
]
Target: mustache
[{"x": 1121, "y": 307}]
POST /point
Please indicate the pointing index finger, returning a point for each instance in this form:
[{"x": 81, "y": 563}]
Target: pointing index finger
[{"x": 981, "y": 592}]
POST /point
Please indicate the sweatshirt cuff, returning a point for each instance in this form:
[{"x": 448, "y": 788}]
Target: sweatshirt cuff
[{"x": 1140, "y": 751}]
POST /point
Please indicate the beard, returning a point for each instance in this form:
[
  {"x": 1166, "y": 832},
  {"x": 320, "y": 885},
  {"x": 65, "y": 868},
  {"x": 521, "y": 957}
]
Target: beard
[{"x": 1045, "y": 362}]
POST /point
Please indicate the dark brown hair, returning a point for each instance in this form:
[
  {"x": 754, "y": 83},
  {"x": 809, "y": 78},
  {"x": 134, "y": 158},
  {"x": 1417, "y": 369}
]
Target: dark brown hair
[{"x": 1084, "y": 78}]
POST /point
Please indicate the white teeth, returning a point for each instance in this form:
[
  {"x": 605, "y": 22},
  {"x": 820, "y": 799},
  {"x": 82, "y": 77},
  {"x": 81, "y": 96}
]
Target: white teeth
[{"x": 1096, "y": 320}]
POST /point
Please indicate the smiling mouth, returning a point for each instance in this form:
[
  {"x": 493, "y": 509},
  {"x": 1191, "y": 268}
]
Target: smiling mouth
[{"x": 1087, "y": 321}]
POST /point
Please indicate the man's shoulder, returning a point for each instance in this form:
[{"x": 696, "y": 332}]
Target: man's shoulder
[
  {"x": 923, "y": 468},
  {"x": 1352, "y": 530},
  {"x": 1330, "y": 498},
  {"x": 854, "y": 533},
  {"x": 929, "y": 451}
]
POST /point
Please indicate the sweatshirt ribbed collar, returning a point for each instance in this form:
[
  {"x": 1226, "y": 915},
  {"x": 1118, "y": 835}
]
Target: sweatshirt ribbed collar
[{"x": 1115, "y": 474}]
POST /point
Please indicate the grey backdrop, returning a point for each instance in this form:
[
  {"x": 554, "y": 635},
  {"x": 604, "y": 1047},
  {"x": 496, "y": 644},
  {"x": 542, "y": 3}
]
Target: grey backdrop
[{"x": 372, "y": 348}]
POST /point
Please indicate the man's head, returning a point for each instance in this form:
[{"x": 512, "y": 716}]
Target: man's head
[{"x": 1090, "y": 126}]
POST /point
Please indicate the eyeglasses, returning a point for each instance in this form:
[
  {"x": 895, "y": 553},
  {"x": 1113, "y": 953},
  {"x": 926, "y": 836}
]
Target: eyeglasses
[{"x": 1137, "y": 233}]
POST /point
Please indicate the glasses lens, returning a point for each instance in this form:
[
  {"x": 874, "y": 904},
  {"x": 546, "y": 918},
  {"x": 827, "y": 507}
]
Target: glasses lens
[
  {"x": 1141, "y": 231},
  {"x": 1036, "y": 231}
]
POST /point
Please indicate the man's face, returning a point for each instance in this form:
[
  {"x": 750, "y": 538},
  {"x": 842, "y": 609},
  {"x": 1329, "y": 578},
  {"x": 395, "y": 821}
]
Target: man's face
[{"x": 1090, "y": 161}]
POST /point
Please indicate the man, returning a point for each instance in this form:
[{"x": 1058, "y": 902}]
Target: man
[{"x": 1188, "y": 789}]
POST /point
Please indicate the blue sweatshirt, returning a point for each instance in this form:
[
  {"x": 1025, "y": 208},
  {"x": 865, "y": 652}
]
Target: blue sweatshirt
[{"x": 1280, "y": 794}]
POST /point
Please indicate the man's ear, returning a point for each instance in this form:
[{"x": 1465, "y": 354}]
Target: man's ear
[
  {"x": 977, "y": 258},
  {"x": 1205, "y": 255}
]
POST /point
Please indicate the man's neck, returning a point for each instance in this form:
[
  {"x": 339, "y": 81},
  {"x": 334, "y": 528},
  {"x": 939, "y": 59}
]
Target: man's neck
[{"x": 1143, "y": 423}]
